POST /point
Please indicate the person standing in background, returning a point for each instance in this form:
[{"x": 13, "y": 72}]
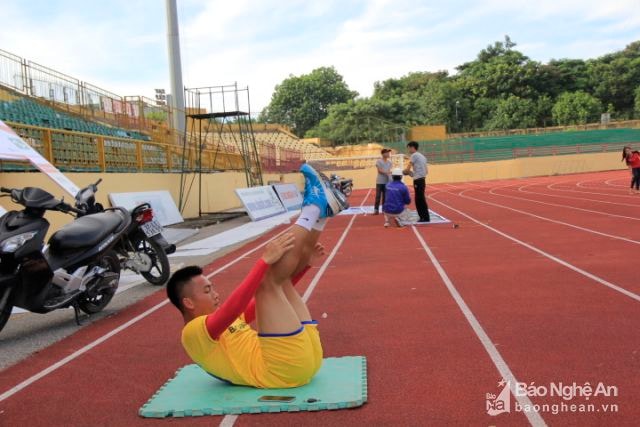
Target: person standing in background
[
  {"x": 383, "y": 165},
  {"x": 418, "y": 170},
  {"x": 632, "y": 158}
]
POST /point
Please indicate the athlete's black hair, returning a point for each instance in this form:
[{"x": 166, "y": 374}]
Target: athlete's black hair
[
  {"x": 413, "y": 144},
  {"x": 177, "y": 282}
]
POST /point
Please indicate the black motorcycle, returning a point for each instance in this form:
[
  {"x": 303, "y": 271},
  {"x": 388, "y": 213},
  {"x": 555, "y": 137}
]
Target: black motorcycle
[
  {"x": 142, "y": 249},
  {"x": 345, "y": 186},
  {"x": 77, "y": 268}
]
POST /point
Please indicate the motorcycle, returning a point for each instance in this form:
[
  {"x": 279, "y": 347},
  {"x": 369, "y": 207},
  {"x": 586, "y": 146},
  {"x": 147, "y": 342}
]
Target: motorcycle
[
  {"x": 343, "y": 185},
  {"x": 77, "y": 268},
  {"x": 142, "y": 249}
]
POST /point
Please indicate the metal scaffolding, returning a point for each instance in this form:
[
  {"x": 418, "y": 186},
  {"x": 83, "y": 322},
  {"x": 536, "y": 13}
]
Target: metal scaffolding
[{"x": 218, "y": 117}]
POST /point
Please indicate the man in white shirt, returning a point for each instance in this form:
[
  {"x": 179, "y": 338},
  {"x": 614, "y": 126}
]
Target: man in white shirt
[{"x": 418, "y": 169}]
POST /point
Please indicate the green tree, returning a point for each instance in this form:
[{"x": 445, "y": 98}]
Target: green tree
[
  {"x": 576, "y": 108},
  {"x": 498, "y": 72},
  {"x": 513, "y": 113},
  {"x": 614, "y": 76},
  {"x": 301, "y": 102},
  {"x": 637, "y": 102}
]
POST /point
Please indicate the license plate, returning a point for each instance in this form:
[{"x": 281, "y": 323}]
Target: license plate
[{"x": 152, "y": 228}]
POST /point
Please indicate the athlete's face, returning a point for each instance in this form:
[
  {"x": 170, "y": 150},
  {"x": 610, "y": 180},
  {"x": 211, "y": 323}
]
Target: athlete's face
[{"x": 200, "y": 297}]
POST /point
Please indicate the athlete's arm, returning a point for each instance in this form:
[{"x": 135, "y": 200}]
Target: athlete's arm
[
  {"x": 233, "y": 307},
  {"x": 250, "y": 312}
]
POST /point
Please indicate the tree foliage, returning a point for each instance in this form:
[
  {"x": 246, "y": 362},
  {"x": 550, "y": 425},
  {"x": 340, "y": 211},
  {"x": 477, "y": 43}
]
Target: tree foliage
[
  {"x": 500, "y": 89},
  {"x": 576, "y": 108},
  {"x": 300, "y": 102}
]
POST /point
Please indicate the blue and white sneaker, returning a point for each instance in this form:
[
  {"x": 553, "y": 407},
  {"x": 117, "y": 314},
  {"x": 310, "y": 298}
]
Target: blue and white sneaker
[{"x": 317, "y": 193}]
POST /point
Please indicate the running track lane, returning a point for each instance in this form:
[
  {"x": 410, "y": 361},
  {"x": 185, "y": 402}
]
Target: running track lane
[
  {"x": 550, "y": 323},
  {"x": 601, "y": 255},
  {"x": 384, "y": 300},
  {"x": 108, "y": 384}
]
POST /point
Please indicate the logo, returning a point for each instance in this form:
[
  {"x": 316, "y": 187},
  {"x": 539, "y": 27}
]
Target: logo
[
  {"x": 501, "y": 403},
  {"x": 557, "y": 397}
]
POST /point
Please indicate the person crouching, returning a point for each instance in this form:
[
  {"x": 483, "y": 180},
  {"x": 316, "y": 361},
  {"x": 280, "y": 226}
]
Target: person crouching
[{"x": 396, "y": 199}]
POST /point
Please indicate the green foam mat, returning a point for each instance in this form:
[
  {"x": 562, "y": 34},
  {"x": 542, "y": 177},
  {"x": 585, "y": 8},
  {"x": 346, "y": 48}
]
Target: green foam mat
[{"x": 341, "y": 383}]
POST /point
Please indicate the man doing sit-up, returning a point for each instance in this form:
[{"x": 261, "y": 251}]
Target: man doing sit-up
[{"x": 285, "y": 350}]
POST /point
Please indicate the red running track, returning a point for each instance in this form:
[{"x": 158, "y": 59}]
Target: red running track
[{"x": 537, "y": 285}]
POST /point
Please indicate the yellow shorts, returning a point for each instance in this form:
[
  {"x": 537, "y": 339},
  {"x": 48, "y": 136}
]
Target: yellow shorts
[{"x": 293, "y": 359}]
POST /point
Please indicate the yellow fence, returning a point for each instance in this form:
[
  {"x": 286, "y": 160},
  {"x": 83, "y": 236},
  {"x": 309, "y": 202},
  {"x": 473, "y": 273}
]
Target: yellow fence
[{"x": 77, "y": 151}]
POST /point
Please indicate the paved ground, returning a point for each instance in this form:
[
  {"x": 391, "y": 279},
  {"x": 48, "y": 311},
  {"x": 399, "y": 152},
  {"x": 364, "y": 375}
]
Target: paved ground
[{"x": 28, "y": 333}]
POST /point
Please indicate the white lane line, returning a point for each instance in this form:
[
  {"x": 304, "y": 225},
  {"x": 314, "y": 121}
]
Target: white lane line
[
  {"x": 533, "y": 416},
  {"x": 577, "y": 227},
  {"x": 609, "y": 182},
  {"x": 547, "y": 255},
  {"x": 229, "y": 420},
  {"x": 521, "y": 189},
  {"x": 551, "y": 187},
  {"x": 78, "y": 353},
  {"x": 493, "y": 192},
  {"x": 108, "y": 335}
]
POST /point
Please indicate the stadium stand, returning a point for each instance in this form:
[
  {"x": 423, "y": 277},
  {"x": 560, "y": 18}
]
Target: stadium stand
[{"x": 19, "y": 109}]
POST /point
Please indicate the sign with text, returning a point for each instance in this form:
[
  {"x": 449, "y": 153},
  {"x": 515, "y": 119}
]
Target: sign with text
[
  {"x": 164, "y": 208},
  {"x": 260, "y": 202},
  {"x": 289, "y": 196},
  {"x": 12, "y": 147}
]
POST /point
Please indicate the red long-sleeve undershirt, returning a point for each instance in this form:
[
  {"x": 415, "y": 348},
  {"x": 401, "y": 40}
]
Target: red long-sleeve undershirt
[{"x": 241, "y": 300}]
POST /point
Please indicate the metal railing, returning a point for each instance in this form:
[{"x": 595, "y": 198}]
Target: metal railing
[{"x": 85, "y": 152}]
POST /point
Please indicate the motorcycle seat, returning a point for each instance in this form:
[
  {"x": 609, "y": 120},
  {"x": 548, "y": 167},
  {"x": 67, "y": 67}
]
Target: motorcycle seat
[{"x": 86, "y": 231}]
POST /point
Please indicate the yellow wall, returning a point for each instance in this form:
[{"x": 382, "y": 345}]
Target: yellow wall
[
  {"x": 502, "y": 169},
  {"x": 219, "y": 195},
  {"x": 428, "y": 133}
]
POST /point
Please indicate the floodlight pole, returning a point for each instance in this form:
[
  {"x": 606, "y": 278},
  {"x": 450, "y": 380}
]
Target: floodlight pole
[{"x": 175, "y": 67}]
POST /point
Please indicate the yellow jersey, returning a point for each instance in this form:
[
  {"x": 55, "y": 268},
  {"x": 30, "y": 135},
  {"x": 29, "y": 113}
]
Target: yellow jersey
[{"x": 241, "y": 357}]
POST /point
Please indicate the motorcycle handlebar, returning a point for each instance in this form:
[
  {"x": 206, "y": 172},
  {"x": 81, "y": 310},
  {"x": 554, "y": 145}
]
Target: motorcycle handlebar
[
  {"x": 65, "y": 207},
  {"x": 5, "y": 190},
  {"x": 98, "y": 181}
]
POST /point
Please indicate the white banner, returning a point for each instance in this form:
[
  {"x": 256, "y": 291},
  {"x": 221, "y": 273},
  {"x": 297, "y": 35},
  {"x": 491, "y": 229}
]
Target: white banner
[
  {"x": 164, "y": 208},
  {"x": 289, "y": 196},
  {"x": 14, "y": 148},
  {"x": 260, "y": 202}
]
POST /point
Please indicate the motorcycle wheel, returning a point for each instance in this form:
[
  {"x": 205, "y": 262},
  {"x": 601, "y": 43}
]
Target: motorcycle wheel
[
  {"x": 5, "y": 311},
  {"x": 91, "y": 305},
  {"x": 160, "y": 270}
]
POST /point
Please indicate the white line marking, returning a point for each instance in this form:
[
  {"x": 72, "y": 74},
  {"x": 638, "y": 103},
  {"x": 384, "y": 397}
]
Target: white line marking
[
  {"x": 229, "y": 420},
  {"x": 547, "y": 255},
  {"x": 534, "y": 417},
  {"x": 494, "y": 189},
  {"x": 79, "y": 352},
  {"x": 588, "y": 230},
  {"x": 552, "y": 187},
  {"x": 564, "y": 197}
]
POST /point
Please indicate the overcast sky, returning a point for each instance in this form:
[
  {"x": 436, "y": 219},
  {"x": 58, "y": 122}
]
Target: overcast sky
[{"x": 120, "y": 45}]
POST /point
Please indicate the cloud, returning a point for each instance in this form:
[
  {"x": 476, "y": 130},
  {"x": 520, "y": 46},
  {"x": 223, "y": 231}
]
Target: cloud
[{"x": 121, "y": 45}]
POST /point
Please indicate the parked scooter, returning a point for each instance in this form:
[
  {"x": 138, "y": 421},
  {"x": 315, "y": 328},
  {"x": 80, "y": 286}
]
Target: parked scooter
[
  {"x": 343, "y": 185},
  {"x": 142, "y": 249},
  {"x": 77, "y": 268}
]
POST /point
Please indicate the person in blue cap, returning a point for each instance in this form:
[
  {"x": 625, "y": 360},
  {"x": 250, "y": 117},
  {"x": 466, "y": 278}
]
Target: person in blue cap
[{"x": 396, "y": 199}]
